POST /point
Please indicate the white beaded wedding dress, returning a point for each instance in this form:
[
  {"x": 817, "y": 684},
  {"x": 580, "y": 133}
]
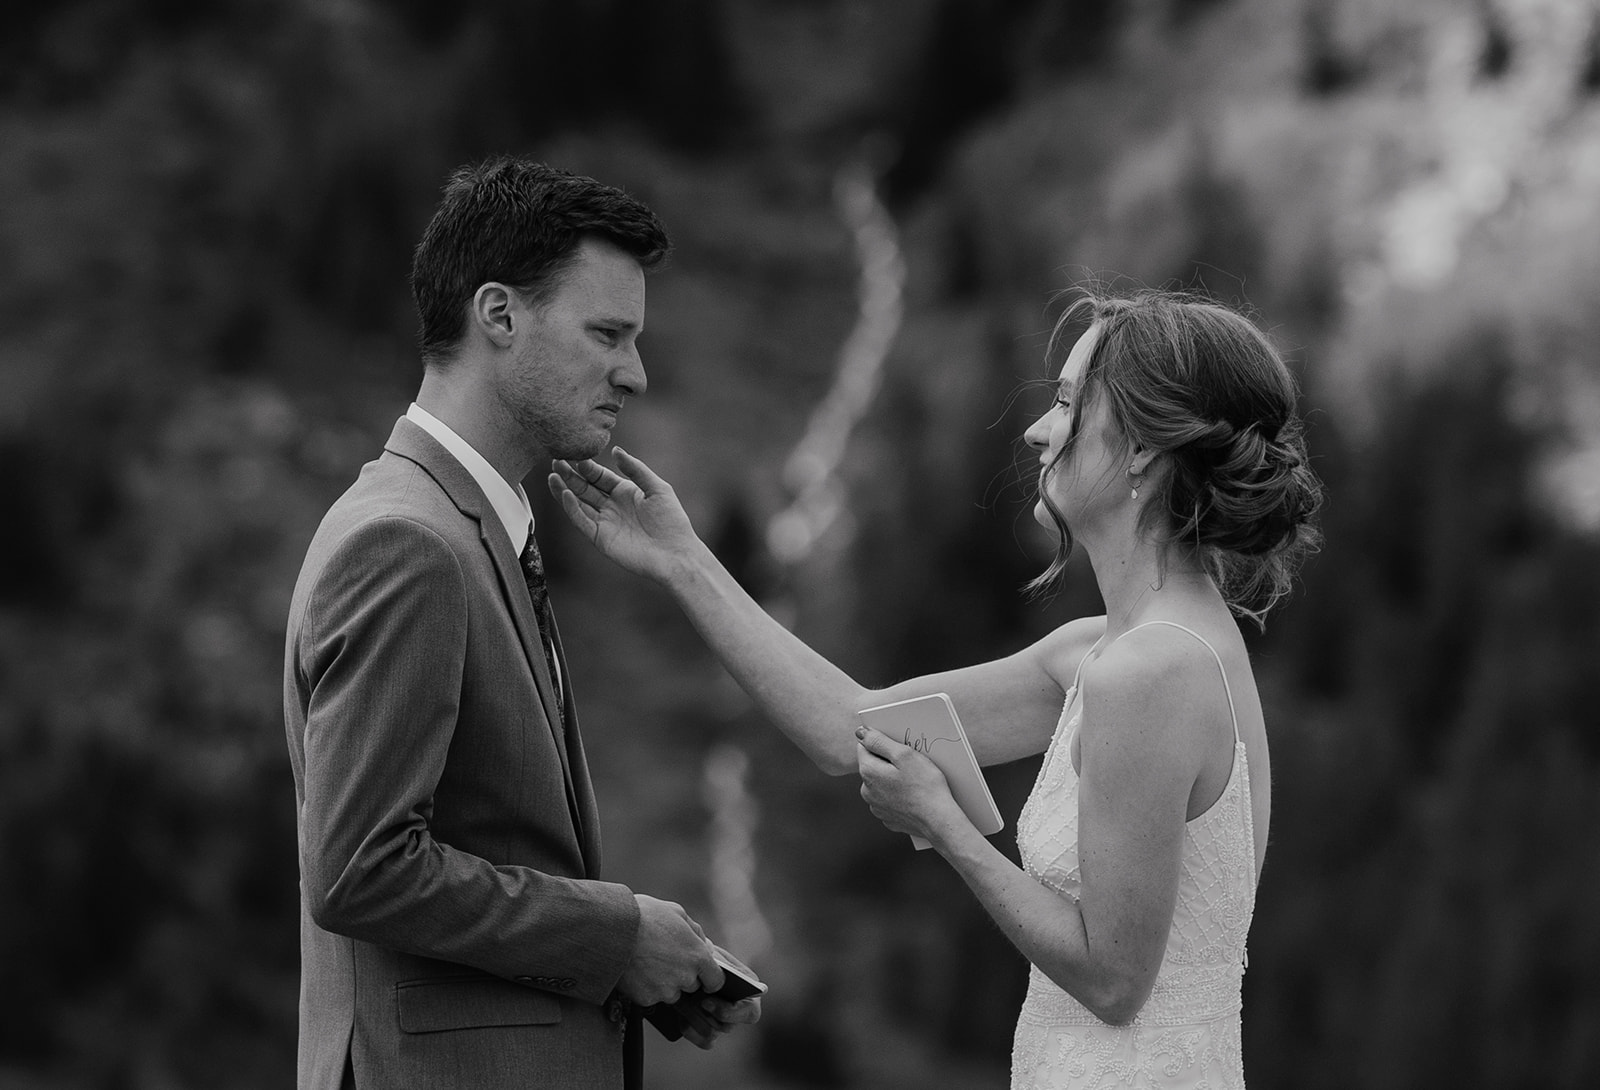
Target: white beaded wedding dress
[{"x": 1187, "y": 1034}]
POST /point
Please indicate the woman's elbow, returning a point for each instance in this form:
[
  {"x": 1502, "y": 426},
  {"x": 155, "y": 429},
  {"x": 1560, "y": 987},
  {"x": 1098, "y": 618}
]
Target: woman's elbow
[
  {"x": 1118, "y": 1012},
  {"x": 829, "y": 755},
  {"x": 1118, "y": 1001},
  {"x": 836, "y": 764}
]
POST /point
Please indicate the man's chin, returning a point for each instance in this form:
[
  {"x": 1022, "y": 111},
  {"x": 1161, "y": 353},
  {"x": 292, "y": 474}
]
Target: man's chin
[{"x": 590, "y": 448}]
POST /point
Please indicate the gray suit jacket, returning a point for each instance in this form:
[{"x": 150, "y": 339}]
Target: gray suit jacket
[{"x": 453, "y": 930}]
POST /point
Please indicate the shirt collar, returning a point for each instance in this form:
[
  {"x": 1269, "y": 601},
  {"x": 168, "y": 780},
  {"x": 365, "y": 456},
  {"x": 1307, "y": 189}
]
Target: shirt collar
[{"x": 509, "y": 501}]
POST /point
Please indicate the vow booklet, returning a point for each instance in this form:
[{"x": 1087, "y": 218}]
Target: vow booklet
[
  {"x": 929, "y": 724},
  {"x": 670, "y": 1019}
]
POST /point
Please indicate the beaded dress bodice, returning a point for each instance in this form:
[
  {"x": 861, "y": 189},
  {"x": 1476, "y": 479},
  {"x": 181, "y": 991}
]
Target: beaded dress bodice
[{"x": 1187, "y": 1034}]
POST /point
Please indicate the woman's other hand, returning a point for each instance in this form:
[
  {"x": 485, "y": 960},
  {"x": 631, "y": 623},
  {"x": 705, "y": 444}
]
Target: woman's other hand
[{"x": 904, "y": 789}]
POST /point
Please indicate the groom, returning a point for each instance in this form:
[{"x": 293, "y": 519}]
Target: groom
[{"x": 454, "y": 928}]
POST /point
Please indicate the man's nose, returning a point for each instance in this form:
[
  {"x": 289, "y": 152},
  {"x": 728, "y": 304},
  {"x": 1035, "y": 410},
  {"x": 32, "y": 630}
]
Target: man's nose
[{"x": 630, "y": 377}]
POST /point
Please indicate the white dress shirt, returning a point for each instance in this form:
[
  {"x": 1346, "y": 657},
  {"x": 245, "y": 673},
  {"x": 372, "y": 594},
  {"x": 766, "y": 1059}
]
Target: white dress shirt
[{"x": 509, "y": 501}]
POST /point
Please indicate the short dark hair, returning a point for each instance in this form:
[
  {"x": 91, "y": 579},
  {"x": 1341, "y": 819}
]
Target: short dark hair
[
  {"x": 517, "y": 222},
  {"x": 1201, "y": 384}
]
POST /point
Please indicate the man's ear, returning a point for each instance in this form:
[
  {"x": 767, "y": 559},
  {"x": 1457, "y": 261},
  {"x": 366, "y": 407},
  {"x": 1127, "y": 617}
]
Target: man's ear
[{"x": 491, "y": 313}]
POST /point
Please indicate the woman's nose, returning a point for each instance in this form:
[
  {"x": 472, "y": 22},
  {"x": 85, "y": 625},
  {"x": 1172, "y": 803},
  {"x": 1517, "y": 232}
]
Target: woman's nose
[{"x": 1038, "y": 434}]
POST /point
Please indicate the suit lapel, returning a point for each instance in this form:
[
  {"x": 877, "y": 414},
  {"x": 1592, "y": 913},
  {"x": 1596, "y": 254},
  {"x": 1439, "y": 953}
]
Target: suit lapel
[
  {"x": 585, "y": 812},
  {"x": 516, "y": 594},
  {"x": 412, "y": 442}
]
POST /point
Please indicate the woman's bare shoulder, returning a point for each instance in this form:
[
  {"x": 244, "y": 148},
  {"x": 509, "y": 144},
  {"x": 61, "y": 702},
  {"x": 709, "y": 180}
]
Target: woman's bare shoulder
[
  {"x": 1064, "y": 649},
  {"x": 1157, "y": 673}
]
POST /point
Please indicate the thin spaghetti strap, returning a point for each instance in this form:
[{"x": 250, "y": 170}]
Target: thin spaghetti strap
[
  {"x": 1225, "y": 686},
  {"x": 1078, "y": 676}
]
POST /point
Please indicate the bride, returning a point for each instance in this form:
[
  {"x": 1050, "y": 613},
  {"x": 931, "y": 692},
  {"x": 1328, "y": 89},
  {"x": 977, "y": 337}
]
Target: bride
[{"x": 1173, "y": 456}]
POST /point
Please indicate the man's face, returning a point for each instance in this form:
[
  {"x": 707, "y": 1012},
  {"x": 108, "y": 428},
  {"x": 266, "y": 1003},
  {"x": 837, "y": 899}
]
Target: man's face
[{"x": 575, "y": 359}]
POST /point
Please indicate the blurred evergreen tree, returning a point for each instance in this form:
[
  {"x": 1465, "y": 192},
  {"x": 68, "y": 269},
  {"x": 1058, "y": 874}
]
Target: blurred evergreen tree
[
  {"x": 1435, "y": 763},
  {"x": 977, "y": 57},
  {"x": 554, "y": 65}
]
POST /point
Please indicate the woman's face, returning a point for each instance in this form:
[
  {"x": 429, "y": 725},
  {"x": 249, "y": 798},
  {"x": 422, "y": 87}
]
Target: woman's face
[{"x": 1082, "y": 482}]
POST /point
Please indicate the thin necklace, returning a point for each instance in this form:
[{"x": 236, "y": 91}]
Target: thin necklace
[{"x": 1159, "y": 585}]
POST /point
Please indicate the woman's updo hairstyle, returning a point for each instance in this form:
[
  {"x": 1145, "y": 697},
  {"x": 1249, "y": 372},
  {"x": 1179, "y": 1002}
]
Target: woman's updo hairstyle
[{"x": 1204, "y": 388}]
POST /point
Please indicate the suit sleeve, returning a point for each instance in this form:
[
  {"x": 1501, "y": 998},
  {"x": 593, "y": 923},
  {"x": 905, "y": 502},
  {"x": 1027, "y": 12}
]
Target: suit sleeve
[{"x": 381, "y": 652}]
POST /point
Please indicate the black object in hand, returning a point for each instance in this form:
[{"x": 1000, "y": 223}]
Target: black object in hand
[{"x": 671, "y": 1019}]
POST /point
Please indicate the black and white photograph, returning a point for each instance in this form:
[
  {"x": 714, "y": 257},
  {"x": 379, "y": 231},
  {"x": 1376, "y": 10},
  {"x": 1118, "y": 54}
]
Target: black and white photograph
[{"x": 800, "y": 544}]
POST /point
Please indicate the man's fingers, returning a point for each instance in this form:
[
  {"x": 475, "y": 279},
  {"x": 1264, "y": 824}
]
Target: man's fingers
[
  {"x": 699, "y": 1028},
  {"x": 731, "y": 959},
  {"x": 744, "y": 1012},
  {"x": 711, "y": 975}
]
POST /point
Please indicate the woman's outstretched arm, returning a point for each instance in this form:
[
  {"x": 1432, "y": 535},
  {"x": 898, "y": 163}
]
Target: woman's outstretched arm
[{"x": 1009, "y": 706}]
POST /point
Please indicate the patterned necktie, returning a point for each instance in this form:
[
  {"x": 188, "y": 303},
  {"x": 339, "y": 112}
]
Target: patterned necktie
[{"x": 539, "y": 592}]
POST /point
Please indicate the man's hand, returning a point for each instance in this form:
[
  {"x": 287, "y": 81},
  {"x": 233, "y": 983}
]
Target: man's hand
[
  {"x": 708, "y": 1017},
  {"x": 671, "y": 955}
]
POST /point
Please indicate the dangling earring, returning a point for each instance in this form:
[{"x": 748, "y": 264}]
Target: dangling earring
[{"x": 1135, "y": 489}]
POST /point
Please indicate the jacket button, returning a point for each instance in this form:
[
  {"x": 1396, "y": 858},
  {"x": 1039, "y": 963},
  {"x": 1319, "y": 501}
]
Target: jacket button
[
  {"x": 524, "y": 980},
  {"x": 567, "y": 982}
]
